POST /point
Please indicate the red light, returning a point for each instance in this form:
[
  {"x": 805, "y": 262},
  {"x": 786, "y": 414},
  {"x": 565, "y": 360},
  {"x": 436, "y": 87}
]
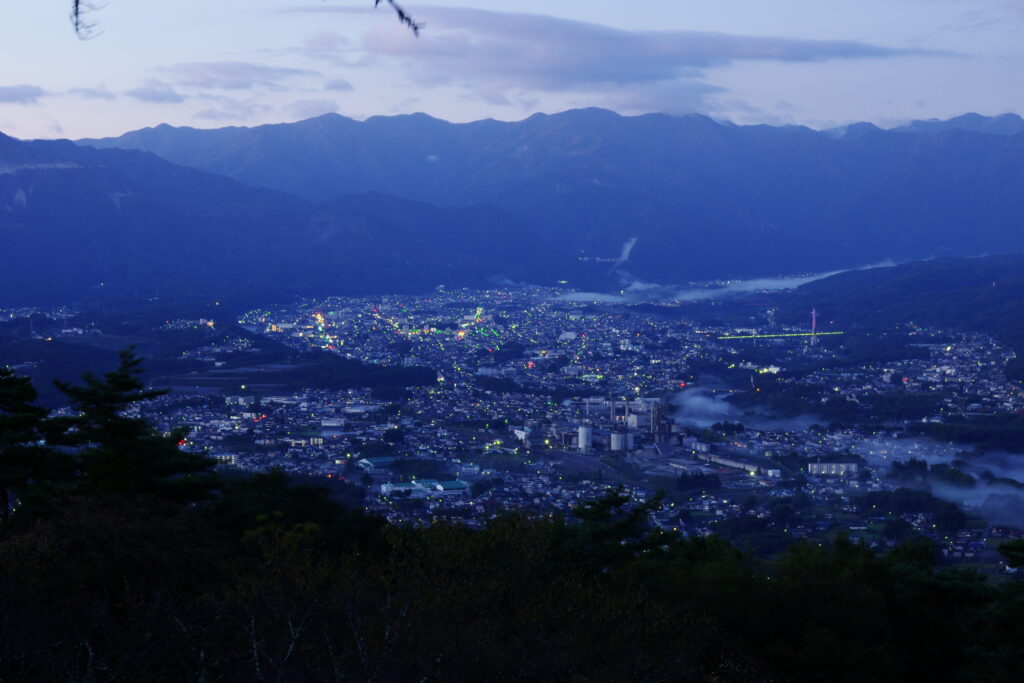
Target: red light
[{"x": 682, "y": 384}]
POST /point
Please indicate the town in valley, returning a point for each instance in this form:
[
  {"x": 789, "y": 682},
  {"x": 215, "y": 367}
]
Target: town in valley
[{"x": 465, "y": 405}]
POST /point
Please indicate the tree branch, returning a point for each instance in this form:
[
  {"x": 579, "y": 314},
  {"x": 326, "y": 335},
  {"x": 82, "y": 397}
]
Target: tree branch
[
  {"x": 403, "y": 16},
  {"x": 84, "y": 28}
]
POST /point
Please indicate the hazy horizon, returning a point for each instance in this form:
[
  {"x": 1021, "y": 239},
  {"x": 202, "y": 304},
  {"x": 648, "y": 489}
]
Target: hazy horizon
[
  {"x": 233, "y": 63},
  {"x": 728, "y": 122}
]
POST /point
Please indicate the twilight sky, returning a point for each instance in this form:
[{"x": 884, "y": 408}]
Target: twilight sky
[{"x": 208, "y": 63}]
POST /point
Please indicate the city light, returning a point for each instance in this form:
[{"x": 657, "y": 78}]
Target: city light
[{"x": 769, "y": 336}]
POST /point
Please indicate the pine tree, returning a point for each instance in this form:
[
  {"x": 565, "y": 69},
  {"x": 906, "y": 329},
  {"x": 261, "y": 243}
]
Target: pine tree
[
  {"x": 123, "y": 454},
  {"x": 25, "y": 460}
]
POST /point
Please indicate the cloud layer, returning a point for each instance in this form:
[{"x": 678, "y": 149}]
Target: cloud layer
[
  {"x": 20, "y": 94},
  {"x": 156, "y": 92},
  {"x": 548, "y": 53},
  {"x": 501, "y": 57},
  {"x": 231, "y": 75},
  {"x": 100, "y": 92}
]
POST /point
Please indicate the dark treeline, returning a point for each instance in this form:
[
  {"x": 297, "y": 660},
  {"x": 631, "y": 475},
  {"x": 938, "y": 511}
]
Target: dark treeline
[
  {"x": 126, "y": 559},
  {"x": 330, "y": 371},
  {"x": 987, "y": 432}
]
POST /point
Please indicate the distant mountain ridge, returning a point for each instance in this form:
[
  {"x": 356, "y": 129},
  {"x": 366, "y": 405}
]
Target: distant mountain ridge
[
  {"x": 704, "y": 199},
  {"x": 1004, "y": 124},
  {"x": 334, "y": 205},
  {"x": 76, "y": 221}
]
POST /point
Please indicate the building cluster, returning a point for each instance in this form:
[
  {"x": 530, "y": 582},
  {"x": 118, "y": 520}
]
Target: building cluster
[{"x": 537, "y": 402}]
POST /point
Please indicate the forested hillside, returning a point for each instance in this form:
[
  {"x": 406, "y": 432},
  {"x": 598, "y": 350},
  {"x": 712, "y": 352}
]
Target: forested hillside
[
  {"x": 984, "y": 294},
  {"x": 705, "y": 199},
  {"x": 76, "y": 222}
]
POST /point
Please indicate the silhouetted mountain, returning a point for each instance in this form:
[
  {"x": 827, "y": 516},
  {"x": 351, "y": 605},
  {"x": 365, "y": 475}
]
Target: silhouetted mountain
[
  {"x": 704, "y": 199},
  {"x": 1004, "y": 124},
  {"x": 76, "y": 221}
]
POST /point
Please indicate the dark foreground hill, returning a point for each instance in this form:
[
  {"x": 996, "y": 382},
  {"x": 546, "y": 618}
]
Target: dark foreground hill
[
  {"x": 276, "y": 583},
  {"x": 76, "y": 222},
  {"x": 705, "y": 199}
]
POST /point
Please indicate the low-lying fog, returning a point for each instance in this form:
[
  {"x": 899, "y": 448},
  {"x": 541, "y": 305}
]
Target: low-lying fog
[
  {"x": 705, "y": 405},
  {"x": 637, "y": 291},
  {"x": 997, "y": 494}
]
